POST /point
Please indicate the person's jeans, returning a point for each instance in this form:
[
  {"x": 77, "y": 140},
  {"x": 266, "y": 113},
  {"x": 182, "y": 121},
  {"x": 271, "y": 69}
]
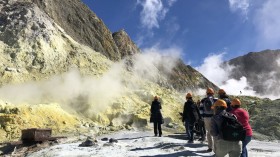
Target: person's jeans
[
  {"x": 157, "y": 128},
  {"x": 189, "y": 129},
  {"x": 244, "y": 144}
]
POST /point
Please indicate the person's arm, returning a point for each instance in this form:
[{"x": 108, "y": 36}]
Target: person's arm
[{"x": 184, "y": 113}]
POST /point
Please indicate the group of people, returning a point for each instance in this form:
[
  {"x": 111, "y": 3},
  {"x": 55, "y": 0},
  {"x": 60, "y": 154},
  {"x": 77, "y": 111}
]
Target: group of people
[{"x": 206, "y": 117}]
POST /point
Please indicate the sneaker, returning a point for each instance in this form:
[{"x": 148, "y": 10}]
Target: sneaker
[
  {"x": 190, "y": 141},
  {"x": 209, "y": 150}
]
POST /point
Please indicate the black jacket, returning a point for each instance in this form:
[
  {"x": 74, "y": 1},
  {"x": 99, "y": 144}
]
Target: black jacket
[
  {"x": 227, "y": 100},
  {"x": 156, "y": 115},
  {"x": 191, "y": 112}
]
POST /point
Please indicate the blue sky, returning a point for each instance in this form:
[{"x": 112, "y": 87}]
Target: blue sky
[{"x": 195, "y": 28}]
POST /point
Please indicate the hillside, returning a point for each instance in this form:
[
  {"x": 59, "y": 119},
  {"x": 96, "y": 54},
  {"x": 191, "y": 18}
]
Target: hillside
[
  {"x": 62, "y": 68},
  {"x": 261, "y": 70}
]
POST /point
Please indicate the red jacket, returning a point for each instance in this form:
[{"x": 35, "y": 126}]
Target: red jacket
[{"x": 243, "y": 117}]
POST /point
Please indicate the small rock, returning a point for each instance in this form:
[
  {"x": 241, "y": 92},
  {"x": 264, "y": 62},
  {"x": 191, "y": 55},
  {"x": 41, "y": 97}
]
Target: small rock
[
  {"x": 104, "y": 139},
  {"x": 89, "y": 142},
  {"x": 112, "y": 140}
]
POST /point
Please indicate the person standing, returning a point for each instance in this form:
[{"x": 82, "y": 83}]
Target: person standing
[
  {"x": 190, "y": 116},
  {"x": 208, "y": 113},
  {"x": 223, "y": 95},
  {"x": 201, "y": 125},
  {"x": 243, "y": 117},
  {"x": 156, "y": 116},
  {"x": 222, "y": 147}
]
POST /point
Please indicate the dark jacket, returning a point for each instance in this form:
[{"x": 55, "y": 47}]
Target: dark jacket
[
  {"x": 191, "y": 112},
  {"x": 156, "y": 115},
  {"x": 216, "y": 123},
  {"x": 227, "y": 100}
]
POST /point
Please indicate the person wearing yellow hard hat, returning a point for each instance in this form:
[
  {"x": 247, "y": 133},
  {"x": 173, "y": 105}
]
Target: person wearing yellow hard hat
[
  {"x": 156, "y": 116},
  {"x": 243, "y": 117},
  {"x": 222, "y": 147},
  {"x": 190, "y": 116},
  {"x": 207, "y": 103},
  {"x": 223, "y": 95}
]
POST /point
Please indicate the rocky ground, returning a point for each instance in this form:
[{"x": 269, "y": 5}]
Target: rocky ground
[{"x": 139, "y": 143}]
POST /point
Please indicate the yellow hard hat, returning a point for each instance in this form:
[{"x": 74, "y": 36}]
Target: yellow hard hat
[
  {"x": 210, "y": 91},
  {"x": 189, "y": 95},
  {"x": 220, "y": 103},
  {"x": 235, "y": 101},
  {"x": 221, "y": 91}
]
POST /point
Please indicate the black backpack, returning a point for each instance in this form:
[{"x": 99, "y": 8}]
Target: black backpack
[{"x": 231, "y": 129}]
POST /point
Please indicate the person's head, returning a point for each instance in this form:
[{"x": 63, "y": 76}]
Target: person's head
[
  {"x": 156, "y": 98},
  {"x": 219, "y": 105},
  {"x": 209, "y": 91},
  {"x": 221, "y": 92},
  {"x": 235, "y": 103},
  {"x": 189, "y": 96}
]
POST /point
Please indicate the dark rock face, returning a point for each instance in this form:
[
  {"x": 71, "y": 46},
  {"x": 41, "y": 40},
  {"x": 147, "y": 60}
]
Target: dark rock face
[
  {"x": 125, "y": 44},
  {"x": 258, "y": 68},
  {"x": 81, "y": 24},
  {"x": 12, "y": 14},
  {"x": 185, "y": 77}
]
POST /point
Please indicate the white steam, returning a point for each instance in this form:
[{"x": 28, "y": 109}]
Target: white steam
[
  {"x": 92, "y": 95},
  {"x": 219, "y": 73},
  {"x": 69, "y": 89},
  {"x": 214, "y": 69}
]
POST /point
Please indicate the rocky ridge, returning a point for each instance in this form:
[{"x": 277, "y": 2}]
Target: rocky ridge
[
  {"x": 261, "y": 70},
  {"x": 40, "y": 44}
]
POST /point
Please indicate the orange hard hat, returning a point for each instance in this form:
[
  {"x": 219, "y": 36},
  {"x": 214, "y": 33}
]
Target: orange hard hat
[
  {"x": 221, "y": 91},
  {"x": 235, "y": 101},
  {"x": 210, "y": 91},
  {"x": 189, "y": 95},
  {"x": 220, "y": 103}
]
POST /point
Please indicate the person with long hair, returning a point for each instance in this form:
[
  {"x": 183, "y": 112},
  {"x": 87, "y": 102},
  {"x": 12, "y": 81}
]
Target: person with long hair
[
  {"x": 156, "y": 116},
  {"x": 243, "y": 117}
]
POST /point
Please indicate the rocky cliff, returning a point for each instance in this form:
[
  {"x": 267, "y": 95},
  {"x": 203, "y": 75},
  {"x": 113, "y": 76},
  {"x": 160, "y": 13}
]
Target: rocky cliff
[
  {"x": 261, "y": 70},
  {"x": 58, "y": 56}
]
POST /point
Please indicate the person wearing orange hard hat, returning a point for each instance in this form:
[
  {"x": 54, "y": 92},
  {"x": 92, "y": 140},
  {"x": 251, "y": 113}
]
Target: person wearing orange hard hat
[
  {"x": 243, "y": 117},
  {"x": 190, "y": 116},
  {"x": 222, "y": 147},
  {"x": 156, "y": 116},
  {"x": 223, "y": 95},
  {"x": 206, "y": 104}
]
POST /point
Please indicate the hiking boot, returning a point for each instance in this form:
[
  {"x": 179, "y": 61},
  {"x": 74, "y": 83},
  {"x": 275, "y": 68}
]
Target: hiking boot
[{"x": 209, "y": 150}]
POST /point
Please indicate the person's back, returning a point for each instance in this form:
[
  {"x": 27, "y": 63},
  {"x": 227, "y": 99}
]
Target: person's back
[
  {"x": 207, "y": 115},
  {"x": 156, "y": 116},
  {"x": 222, "y": 95},
  {"x": 222, "y": 147},
  {"x": 243, "y": 117},
  {"x": 191, "y": 111}
]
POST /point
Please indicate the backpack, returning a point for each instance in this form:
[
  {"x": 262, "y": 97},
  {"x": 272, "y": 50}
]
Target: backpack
[
  {"x": 208, "y": 104},
  {"x": 231, "y": 129}
]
